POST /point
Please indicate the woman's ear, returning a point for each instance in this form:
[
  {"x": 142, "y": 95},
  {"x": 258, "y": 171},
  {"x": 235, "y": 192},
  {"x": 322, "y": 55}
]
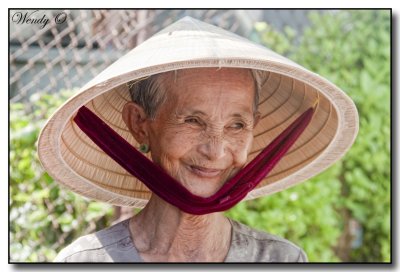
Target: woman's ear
[{"x": 135, "y": 119}]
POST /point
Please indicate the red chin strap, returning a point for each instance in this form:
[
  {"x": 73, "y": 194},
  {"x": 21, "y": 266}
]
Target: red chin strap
[{"x": 169, "y": 189}]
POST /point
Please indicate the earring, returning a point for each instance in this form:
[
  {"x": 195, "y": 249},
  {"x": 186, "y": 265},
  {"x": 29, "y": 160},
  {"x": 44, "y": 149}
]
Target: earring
[{"x": 144, "y": 148}]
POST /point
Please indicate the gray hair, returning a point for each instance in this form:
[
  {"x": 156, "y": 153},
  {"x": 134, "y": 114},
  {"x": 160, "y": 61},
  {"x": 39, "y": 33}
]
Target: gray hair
[{"x": 150, "y": 92}]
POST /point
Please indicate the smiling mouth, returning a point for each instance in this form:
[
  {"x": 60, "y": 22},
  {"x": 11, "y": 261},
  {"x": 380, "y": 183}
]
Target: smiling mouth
[{"x": 205, "y": 172}]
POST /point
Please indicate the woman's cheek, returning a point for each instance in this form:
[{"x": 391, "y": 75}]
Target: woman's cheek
[
  {"x": 170, "y": 165},
  {"x": 240, "y": 149},
  {"x": 176, "y": 143}
]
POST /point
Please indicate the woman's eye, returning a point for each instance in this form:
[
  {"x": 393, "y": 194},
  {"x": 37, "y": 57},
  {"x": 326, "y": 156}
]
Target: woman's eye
[
  {"x": 237, "y": 126},
  {"x": 192, "y": 121}
]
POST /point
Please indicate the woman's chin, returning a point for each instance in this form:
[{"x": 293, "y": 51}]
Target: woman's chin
[
  {"x": 203, "y": 184},
  {"x": 203, "y": 190}
]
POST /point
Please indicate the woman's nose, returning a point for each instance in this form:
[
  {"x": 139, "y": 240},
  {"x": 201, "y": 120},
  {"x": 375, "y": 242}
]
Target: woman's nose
[{"x": 214, "y": 148}]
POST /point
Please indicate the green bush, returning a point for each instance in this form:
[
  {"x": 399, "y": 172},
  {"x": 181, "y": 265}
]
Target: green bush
[
  {"x": 352, "y": 49},
  {"x": 44, "y": 218}
]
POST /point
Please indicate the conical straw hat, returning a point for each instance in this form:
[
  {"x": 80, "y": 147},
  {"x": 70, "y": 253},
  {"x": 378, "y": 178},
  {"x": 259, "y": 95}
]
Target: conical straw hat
[{"x": 72, "y": 159}]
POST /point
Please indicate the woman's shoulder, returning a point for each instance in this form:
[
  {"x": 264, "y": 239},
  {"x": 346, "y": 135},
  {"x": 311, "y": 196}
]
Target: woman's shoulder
[
  {"x": 107, "y": 245},
  {"x": 252, "y": 245}
]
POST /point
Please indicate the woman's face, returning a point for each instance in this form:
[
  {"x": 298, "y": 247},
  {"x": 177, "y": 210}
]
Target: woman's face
[{"x": 203, "y": 133}]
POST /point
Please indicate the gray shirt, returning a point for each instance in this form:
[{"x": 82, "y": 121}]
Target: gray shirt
[{"x": 114, "y": 244}]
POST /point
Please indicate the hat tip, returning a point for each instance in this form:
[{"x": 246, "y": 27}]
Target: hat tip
[{"x": 188, "y": 18}]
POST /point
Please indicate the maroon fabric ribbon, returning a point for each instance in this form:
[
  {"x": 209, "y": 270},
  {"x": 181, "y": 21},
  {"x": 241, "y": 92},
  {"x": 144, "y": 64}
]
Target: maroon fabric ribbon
[{"x": 169, "y": 189}]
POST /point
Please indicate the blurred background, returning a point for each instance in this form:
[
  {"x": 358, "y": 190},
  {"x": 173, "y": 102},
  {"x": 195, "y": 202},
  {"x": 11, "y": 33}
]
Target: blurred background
[{"x": 341, "y": 215}]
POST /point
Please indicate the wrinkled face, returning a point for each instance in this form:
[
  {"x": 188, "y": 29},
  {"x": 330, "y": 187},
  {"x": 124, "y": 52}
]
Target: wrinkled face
[{"x": 203, "y": 133}]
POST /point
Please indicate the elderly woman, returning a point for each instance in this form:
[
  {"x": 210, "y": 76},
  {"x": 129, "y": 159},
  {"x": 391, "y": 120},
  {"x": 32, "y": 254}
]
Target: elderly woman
[{"x": 196, "y": 115}]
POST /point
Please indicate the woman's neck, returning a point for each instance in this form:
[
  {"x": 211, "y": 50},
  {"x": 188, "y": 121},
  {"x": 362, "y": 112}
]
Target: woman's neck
[{"x": 162, "y": 232}]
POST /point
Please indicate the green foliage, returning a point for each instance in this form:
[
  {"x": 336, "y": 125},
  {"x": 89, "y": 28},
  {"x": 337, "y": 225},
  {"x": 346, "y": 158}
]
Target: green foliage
[
  {"x": 352, "y": 49},
  {"x": 304, "y": 214},
  {"x": 44, "y": 217}
]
